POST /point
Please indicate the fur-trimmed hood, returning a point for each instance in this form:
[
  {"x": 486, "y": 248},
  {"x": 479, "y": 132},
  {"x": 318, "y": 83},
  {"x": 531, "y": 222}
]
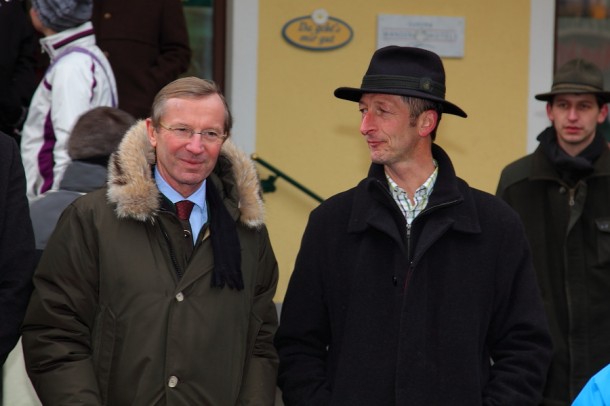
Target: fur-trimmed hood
[{"x": 132, "y": 187}]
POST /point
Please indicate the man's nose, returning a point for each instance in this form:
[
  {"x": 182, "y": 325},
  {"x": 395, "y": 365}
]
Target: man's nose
[
  {"x": 367, "y": 124},
  {"x": 572, "y": 113},
  {"x": 195, "y": 144}
]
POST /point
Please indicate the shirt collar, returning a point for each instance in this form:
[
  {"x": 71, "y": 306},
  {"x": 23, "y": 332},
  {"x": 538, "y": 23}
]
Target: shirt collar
[
  {"x": 198, "y": 197},
  {"x": 57, "y": 43},
  {"x": 427, "y": 186}
]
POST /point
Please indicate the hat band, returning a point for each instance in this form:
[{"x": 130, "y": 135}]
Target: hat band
[
  {"x": 576, "y": 87},
  {"x": 390, "y": 82}
]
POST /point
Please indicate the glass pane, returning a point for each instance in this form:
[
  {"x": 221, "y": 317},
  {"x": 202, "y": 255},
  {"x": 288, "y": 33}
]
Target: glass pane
[{"x": 199, "y": 19}]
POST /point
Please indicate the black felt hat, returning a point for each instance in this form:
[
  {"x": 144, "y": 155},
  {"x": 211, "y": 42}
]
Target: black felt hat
[
  {"x": 577, "y": 77},
  {"x": 404, "y": 71}
]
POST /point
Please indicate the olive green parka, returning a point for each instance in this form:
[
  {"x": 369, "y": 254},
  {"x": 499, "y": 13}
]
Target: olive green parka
[
  {"x": 568, "y": 229},
  {"x": 110, "y": 323}
]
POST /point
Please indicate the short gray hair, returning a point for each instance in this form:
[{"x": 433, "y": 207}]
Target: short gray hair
[{"x": 188, "y": 88}]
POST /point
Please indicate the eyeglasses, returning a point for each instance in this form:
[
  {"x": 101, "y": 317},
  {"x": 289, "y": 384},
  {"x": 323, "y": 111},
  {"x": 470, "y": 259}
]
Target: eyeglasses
[{"x": 186, "y": 133}]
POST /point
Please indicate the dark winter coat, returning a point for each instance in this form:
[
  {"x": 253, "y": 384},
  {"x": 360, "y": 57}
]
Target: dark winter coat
[
  {"x": 17, "y": 78},
  {"x": 16, "y": 246},
  {"x": 109, "y": 321},
  {"x": 378, "y": 315},
  {"x": 147, "y": 55},
  {"x": 569, "y": 231}
]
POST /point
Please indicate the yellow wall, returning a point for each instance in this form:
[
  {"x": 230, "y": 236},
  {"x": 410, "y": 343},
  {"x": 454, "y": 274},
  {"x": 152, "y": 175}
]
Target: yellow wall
[{"x": 303, "y": 130}]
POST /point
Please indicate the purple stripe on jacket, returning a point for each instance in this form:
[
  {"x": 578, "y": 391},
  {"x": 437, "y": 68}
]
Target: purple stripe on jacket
[
  {"x": 46, "y": 163},
  {"x": 94, "y": 82},
  {"x": 72, "y": 38}
]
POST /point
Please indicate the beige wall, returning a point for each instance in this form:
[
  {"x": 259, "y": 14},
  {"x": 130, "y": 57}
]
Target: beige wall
[{"x": 313, "y": 137}]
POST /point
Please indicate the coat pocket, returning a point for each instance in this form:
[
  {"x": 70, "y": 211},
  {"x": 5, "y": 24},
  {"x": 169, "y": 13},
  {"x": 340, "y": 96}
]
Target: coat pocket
[{"x": 603, "y": 240}]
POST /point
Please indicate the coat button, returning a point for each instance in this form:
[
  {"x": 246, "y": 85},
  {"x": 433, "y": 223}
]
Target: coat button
[
  {"x": 179, "y": 297},
  {"x": 173, "y": 382},
  {"x": 107, "y": 16},
  {"x": 562, "y": 190},
  {"x": 187, "y": 234}
]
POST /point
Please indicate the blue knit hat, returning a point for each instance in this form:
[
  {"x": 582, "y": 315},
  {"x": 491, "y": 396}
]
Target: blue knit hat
[{"x": 60, "y": 15}]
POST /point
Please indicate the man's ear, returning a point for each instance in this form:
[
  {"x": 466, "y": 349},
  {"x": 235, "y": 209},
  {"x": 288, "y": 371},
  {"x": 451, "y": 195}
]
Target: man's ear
[
  {"x": 427, "y": 122},
  {"x": 603, "y": 113},
  {"x": 549, "y": 111},
  {"x": 150, "y": 131}
]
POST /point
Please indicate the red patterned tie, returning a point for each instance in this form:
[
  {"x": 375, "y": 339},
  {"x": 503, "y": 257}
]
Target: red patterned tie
[{"x": 183, "y": 209}]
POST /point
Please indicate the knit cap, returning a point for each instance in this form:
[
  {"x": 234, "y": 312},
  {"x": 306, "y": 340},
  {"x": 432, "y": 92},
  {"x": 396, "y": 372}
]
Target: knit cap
[{"x": 60, "y": 15}]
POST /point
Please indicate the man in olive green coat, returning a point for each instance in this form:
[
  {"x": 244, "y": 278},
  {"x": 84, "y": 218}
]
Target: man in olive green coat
[
  {"x": 562, "y": 193},
  {"x": 134, "y": 305}
]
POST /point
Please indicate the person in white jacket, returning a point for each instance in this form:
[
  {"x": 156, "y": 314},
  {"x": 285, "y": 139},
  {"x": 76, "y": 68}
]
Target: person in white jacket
[{"x": 78, "y": 79}]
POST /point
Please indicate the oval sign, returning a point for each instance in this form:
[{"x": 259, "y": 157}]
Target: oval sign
[{"x": 304, "y": 32}]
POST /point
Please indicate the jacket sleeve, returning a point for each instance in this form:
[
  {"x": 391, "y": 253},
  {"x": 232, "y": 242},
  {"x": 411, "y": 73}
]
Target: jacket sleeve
[
  {"x": 304, "y": 332},
  {"x": 259, "y": 386},
  {"x": 57, "y": 328},
  {"x": 518, "y": 339},
  {"x": 16, "y": 247}
]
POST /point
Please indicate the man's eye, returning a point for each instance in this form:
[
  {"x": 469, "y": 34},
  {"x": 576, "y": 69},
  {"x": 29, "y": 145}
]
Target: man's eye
[
  {"x": 182, "y": 131},
  {"x": 210, "y": 134}
]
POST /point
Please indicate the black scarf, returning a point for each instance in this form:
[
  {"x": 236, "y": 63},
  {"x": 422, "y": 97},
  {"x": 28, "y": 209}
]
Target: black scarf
[
  {"x": 571, "y": 168},
  {"x": 225, "y": 242}
]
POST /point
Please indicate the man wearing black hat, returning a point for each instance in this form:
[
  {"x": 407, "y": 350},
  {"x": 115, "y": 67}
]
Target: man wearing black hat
[
  {"x": 411, "y": 288},
  {"x": 562, "y": 193}
]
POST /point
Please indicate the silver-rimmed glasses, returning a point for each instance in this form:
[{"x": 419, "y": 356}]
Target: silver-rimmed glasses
[{"x": 186, "y": 133}]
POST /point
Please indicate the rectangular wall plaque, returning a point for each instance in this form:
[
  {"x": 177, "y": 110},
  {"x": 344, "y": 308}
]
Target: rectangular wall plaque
[{"x": 443, "y": 35}]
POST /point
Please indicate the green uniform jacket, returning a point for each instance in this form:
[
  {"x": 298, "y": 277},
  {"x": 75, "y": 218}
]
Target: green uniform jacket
[
  {"x": 110, "y": 323},
  {"x": 569, "y": 232}
]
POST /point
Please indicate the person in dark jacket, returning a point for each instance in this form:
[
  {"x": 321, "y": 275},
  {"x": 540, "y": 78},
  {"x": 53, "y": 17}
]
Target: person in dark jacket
[
  {"x": 95, "y": 136},
  {"x": 412, "y": 288},
  {"x": 147, "y": 55},
  {"x": 138, "y": 302},
  {"x": 17, "y": 63},
  {"x": 16, "y": 246},
  {"x": 562, "y": 193}
]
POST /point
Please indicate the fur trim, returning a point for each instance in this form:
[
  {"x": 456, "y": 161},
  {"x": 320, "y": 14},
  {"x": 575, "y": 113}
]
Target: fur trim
[
  {"x": 251, "y": 207},
  {"x": 132, "y": 187}
]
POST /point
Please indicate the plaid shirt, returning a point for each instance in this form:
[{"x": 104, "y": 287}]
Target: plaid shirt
[{"x": 420, "y": 198}]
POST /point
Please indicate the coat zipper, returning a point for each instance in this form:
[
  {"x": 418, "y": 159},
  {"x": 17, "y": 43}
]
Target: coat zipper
[
  {"x": 572, "y": 193},
  {"x": 172, "y": 254},
  {"x": 412, "y": 261},
  {"x": 408, "y": 234}
]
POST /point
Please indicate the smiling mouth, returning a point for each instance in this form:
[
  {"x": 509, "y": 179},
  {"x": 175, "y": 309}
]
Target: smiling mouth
[{"x": 191, "y": 159}]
